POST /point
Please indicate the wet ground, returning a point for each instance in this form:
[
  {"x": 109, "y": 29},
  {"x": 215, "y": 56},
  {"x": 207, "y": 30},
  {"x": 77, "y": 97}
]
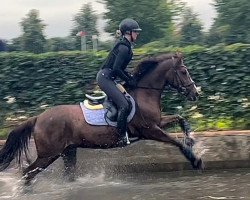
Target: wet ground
[
  {"x": 149, "y": 167},
  {"x": 219, "y": 184}
]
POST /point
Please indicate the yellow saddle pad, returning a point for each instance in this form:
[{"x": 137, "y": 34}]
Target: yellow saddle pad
[{"x": 92, "y": 107}]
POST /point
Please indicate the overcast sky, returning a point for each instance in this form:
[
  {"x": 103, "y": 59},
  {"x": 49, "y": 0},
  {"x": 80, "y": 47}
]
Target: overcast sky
[{"x": 58, "y": 14}]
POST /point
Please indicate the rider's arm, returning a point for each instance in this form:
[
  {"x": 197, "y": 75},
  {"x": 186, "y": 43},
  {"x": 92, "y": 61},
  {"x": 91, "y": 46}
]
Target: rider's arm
[{"x": 123, "y": 53}]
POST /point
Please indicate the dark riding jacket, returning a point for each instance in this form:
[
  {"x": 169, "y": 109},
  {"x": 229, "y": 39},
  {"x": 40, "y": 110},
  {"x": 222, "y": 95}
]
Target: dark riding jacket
[{"x": 118, "y": 59}]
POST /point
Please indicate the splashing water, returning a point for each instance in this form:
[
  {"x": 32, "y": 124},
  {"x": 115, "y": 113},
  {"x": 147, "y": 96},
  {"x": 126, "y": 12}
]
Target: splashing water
[
  {"x": 11, "y": 186},
  {"x": 180, "y": 185},
  {"x": 8, "y": 185}
]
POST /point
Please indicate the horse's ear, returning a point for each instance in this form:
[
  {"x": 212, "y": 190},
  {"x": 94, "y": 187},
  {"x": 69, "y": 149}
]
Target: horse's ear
[
  {"x": 179, "y": 59},
  {"x": 179, "y": 54}
]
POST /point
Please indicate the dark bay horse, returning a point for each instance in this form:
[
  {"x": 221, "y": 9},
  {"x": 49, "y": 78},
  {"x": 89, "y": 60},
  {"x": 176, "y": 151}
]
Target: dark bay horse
[{"x": 60, "y": 130}]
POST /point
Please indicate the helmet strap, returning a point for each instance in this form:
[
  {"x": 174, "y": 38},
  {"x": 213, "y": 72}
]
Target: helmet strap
[
  {"x": 130, "y": 34},
  {"x": 132, "y": 39}
]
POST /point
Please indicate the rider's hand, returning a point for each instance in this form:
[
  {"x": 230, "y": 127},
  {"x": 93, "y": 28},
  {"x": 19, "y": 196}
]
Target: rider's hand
[{"x": 132, "y": 83}]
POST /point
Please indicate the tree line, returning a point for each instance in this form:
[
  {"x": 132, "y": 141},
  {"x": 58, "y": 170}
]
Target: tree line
[{"x": 164, "y": 23}]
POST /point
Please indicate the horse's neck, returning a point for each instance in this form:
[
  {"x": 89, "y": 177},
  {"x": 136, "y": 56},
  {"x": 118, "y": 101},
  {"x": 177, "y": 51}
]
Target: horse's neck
[
  {"x": 148, "y": 101},
  {"x": 150, "y": 88}
]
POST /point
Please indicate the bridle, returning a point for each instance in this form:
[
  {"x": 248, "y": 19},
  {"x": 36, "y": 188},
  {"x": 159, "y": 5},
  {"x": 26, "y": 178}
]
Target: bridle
[{"x": 181, "y": 89}]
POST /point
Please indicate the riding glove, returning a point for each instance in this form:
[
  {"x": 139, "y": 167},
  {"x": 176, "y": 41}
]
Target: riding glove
[{"x": 132, "y": 83}]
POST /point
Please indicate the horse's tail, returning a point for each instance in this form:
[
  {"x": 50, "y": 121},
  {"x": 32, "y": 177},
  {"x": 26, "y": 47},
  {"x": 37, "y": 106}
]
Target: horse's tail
[{"x": 17, "y": 142}]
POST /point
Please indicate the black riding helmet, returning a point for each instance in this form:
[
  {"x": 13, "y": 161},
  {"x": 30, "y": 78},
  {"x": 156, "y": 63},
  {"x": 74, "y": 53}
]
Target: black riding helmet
[{"x": 129, "y": 25}]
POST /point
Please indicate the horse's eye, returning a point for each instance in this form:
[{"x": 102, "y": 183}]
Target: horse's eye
[{"x": 184, "y": 72}]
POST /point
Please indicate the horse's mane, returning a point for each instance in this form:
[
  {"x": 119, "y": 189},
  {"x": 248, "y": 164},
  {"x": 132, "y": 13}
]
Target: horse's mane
[{"x": 149, "y": 63}]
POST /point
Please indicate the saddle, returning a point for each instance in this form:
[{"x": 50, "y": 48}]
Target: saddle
[{"x": 99, "y": 101}]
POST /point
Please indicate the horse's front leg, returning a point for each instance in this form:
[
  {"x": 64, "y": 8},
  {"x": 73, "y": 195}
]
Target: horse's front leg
[
  {"x": 169, "y": 120},
  {"x": 157, "y": 134}
]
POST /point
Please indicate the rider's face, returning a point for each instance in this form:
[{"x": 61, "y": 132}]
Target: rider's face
[{"x": 134, "y": 35}]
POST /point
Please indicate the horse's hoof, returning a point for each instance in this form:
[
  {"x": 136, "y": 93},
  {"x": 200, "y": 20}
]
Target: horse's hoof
[
  {"x": 26, "y": 188},
  {"x": 188, "y": 141},
  {"x": 198, "y": 164},
  {"x": 69, "y": 178}
]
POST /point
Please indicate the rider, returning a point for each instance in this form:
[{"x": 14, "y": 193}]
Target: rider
[{"x": 114, "y": 66}]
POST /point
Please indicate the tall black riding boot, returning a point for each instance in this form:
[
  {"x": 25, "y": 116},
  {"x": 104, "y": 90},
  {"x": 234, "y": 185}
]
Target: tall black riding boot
[{"x": 122, "y": 127}]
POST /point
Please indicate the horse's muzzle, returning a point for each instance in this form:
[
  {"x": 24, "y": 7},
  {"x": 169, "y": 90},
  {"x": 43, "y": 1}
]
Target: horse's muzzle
[{"x": 193, "y": 96}]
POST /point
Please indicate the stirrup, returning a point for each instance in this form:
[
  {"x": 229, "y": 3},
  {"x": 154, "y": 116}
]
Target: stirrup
[
  {"x": 127, "y": 139},
  {"x": 123, "y": 141}
]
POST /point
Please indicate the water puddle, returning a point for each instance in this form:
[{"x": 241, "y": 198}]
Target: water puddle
[{"x": 220, "y": 185}]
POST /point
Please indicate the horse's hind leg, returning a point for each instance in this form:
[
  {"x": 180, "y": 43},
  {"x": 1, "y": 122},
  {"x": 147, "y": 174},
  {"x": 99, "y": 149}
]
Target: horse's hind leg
[
  {"x": 37, "y": 166},
  {"x": 69, "y": 158}
]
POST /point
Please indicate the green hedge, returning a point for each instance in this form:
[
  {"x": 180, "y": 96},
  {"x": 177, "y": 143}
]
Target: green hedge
[{"x": 41, "y": 81}]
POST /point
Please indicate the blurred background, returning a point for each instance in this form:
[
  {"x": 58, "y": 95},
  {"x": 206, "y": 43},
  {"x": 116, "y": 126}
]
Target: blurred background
[{"x": 52, "y": 50}]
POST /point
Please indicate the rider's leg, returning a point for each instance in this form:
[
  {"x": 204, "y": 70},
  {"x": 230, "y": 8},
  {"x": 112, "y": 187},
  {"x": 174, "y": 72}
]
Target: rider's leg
[
  {"x": 109, "y": 87},
  {"x": 123, "y": 113}
]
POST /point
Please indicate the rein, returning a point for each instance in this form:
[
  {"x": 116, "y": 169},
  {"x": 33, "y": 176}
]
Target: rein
[{"x": 149, "y": 88}]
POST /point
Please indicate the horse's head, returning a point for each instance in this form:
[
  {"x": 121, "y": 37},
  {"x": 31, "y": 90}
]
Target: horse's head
[
  {"x": 179, "y": 78},
  {"x": 167, "y": 69}
]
